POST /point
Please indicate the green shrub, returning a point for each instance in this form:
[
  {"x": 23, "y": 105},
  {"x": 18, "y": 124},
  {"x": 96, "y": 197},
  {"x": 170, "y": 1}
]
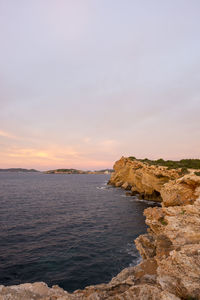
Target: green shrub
[
  {"x": 184, "y": 171},
  {"x": 163, "y": 221},
  {"x": 160, "y": 161},
  {"x": 132, "y": 157},
  {"x": 172, "y": 164},
  {"x": 197, "y": 173}
]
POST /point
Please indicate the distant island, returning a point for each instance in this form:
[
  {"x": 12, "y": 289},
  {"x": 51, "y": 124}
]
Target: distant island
[
  {"x": 59, "y": 171},
  {"x": 18, "y": 170},
  {"x": 75, "y": 171}
]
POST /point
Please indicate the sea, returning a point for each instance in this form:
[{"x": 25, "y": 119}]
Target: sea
[{"x": 69, "y": 230}]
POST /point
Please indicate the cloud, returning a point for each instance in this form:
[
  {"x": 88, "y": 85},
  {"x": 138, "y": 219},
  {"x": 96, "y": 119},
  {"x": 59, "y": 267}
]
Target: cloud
[
  {"x": 7, "y": 135},
  {"x": 28, "y": 153},
  {"x": 56, "y": 154},
  {"x": 108, "y": 144},
  {"x": 87, "y": 140},
  {"x": 79, "y": 91}
]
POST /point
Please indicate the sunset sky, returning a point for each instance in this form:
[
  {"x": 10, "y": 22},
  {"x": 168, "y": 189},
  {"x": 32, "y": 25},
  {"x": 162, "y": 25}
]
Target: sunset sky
[{"x": 83, "y": 82}]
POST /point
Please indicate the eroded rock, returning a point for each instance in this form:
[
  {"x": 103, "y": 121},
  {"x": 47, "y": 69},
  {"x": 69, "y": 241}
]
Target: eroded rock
[{"x": 142, "y": 178}]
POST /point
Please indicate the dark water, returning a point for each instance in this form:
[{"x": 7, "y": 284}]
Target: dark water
[{"x": 70, "y": 230}]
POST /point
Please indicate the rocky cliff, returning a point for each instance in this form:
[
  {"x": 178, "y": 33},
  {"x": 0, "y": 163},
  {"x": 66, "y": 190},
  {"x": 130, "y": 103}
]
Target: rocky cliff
[
  {"x": 170, "y": 267},
  {"x": 142, "y": 178}
]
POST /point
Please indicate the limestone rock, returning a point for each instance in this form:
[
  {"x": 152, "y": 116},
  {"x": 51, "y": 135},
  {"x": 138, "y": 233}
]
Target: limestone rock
[
  {"x": 145, "y": 244},
  {"x": 182, "y": 191},
  {"x": 30, "y": 291},
  {"x": 143, "y": 178},
  {"x": 179, "y": 273},
  {"x": 126, "y": 186}
]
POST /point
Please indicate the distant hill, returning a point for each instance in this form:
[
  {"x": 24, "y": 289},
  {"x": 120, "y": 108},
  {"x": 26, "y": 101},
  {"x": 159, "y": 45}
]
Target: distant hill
[
  {"x": 18, "y": 170},
  {"x": 65, "y": 171},
  {"x": 105, "y": 170},
  {"x": 75, "y": 171}
]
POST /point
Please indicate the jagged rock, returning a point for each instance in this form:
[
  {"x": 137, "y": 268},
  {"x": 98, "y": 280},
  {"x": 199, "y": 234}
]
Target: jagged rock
[
  {"x": 126, "y": 186},
  {"x": 182, "y": 191},
  {"x": 142, "y": 178},
  {"x": 119, "y": 183},
  {"x": 179, "y": 272},
  {"x": 174, "y": 242},
  {"x": 30, "y": 291},
  {"x": 145, "y": 244}
]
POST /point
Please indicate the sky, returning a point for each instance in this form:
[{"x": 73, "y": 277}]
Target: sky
[{"x": 84, "y": 82}]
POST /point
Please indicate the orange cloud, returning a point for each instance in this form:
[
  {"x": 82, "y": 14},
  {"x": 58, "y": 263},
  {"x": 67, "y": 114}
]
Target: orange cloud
[
  {"x": 7, "y": 135},
  {"x": 54, "y": 154},
  {"x": 46, "y": 156}
]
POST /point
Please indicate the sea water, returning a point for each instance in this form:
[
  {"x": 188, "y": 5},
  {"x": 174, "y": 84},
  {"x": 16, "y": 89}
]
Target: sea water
[{"x": 70, "y": 230}]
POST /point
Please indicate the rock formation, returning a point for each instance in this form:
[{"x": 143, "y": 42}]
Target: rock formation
[
  {"x": 170, "y": 267},
  {"x": 142, "y": 178}
]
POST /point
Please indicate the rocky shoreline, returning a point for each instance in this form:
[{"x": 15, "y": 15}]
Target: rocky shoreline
[{"x": 170, "y": 266}]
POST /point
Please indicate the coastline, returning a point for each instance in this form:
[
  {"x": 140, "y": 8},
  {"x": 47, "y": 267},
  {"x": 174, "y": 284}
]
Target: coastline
[{"x": 170, "y": 266}]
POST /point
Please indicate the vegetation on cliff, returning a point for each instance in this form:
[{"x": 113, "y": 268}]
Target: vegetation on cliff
[{"x": 171, "y": 164}]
